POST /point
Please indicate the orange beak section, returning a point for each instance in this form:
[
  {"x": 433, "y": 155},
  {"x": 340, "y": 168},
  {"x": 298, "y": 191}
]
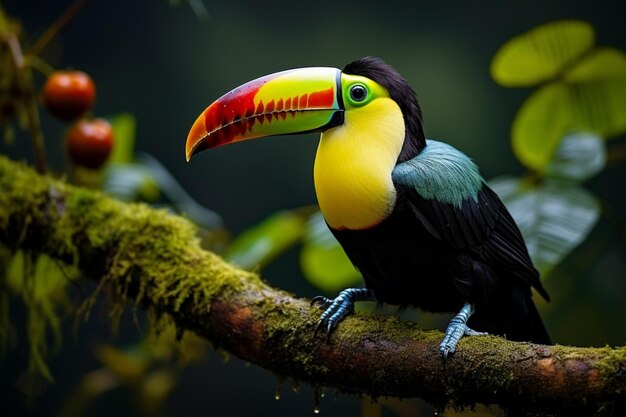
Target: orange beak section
[{"x": 294, "y": 101}]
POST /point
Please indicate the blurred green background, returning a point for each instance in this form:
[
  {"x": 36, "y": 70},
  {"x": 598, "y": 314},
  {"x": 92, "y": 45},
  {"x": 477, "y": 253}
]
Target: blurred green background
[{"x": 165, "y": 64}]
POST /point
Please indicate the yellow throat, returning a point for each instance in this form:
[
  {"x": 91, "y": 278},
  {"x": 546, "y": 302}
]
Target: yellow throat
[{"x": 354, "y": 162}]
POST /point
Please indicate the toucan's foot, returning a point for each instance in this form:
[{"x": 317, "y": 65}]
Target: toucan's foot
[
  {"x": 337, "y": 309},
  {"x": 456, "y": 330}
]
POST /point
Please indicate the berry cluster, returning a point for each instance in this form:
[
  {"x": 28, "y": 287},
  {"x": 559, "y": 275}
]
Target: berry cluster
[{"x": 69, "y": 96}]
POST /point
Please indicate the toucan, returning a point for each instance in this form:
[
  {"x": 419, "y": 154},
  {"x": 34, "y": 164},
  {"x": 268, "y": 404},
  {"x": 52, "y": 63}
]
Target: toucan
[{"x": 413, "y": 215}]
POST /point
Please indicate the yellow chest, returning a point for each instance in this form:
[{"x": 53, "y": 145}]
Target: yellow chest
[{"x": 353, "y": 166}]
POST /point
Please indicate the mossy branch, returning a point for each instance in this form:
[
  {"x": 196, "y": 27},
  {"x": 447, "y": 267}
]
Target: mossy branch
[{"x": 153, "y": 258}]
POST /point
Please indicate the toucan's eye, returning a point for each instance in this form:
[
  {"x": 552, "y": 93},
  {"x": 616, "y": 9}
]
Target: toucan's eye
[{"x": 358, "y": 92}]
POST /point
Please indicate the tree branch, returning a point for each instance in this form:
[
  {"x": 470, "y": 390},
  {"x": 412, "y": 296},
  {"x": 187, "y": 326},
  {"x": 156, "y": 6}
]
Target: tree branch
[{"x": 152, "y": 258}]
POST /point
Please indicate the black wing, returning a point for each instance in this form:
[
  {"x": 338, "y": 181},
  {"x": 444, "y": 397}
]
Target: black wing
[
  {"x": 444, "y": 190},
  {"x": 482, "y": 226}
]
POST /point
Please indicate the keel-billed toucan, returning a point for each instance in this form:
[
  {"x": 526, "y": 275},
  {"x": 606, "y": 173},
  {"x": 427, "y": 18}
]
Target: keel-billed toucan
[{"x": 413, "y": 215}]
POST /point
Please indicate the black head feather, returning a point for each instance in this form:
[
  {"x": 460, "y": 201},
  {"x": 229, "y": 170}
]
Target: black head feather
[{"x": 402, "y": 93}]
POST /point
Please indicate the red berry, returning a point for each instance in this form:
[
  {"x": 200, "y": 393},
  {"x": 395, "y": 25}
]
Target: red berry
[
  {"x": 69, "y": 95},
  {"x": 89, "y": 142}
]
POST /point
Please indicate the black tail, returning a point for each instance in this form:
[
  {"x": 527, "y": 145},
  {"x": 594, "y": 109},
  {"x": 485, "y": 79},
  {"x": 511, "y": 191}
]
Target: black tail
[
  {"x": 529, "y": 327},
  {"x": 513, "y": 316}
]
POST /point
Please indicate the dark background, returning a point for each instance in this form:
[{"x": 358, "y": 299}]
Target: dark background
[{"x": 164, "y": 65}]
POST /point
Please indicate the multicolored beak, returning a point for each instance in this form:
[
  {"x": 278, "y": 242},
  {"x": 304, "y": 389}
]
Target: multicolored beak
[{"x": 293, "y": 101}]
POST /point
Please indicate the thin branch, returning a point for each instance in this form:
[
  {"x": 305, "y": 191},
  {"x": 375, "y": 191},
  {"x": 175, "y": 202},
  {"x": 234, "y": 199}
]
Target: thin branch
[
  {"x": 616, "y": 155},
  {"x": 152, "y": 258},
  {"x": 27, "y": 93},
  {"x": 56, "y": 27}
]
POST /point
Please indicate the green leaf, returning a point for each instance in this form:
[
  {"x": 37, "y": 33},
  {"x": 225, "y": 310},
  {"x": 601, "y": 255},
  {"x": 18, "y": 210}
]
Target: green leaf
[
  {"x": 323, "y": 260},
  {"x": 124, "y": 126},
  {"x": 130, "y": 182},
  {"x": 591, "y": 98},
  {"x": 40, "y": 281},
  {"x": 601, "y": 64},
  {"x": 49, "y": 278},
  {"x": 15, "y": 274},
  {"x": 579, "y": 157},
  {"x": 541, "y": 53},
  {"x": 597, "y": 93},
  {"x": 257, "y": 246},
  {"x": 539, "y": 126},
  {"x": 554, "y": 217}
]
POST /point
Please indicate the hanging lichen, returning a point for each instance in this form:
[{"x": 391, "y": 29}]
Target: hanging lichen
[
  {"x": 41, "y": 284},
  {"x": 146, "y": 254}
]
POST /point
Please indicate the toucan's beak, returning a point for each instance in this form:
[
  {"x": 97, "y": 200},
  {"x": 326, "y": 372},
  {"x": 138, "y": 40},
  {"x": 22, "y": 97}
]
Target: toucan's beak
[{"x": 294, "y": 101}]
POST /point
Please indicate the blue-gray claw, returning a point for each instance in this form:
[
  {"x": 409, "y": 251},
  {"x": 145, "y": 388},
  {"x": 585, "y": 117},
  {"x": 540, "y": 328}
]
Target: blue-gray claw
[
  {"x": 456, "y": 330},
  {"x": 337, "y": 309}
]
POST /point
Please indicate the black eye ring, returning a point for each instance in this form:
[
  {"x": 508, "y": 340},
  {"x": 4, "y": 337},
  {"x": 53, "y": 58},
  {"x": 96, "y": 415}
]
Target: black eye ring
[{"x": 358, "y": 92}]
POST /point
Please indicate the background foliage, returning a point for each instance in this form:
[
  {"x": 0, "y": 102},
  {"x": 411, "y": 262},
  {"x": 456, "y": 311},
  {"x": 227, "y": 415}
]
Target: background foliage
[{"x": 552, "y": 122}]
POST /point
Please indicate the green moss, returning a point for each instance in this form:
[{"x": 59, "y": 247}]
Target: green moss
[
  {"x": 148, "y": 253},
  {"x": 41, "y": 284},
  {"x": 145, "y": 255},
  {"x": 152, "y": 258},
  {"x": 285, "y": 326},
  {"x": 612, "y": 361}
]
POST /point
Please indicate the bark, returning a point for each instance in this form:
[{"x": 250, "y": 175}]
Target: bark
[{"x": 152, "y": 258}]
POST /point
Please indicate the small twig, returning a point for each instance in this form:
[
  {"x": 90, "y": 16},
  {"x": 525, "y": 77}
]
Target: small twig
[
  {"x": 38, "y": 64},
  {"x": 616, "y": 155},
  {"x": 56, "y": 27},
  {"x": 26, "y": 91}
]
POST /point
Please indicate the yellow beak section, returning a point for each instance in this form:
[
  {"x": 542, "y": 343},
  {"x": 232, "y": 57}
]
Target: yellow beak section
[{"x": 294, "y": 101}]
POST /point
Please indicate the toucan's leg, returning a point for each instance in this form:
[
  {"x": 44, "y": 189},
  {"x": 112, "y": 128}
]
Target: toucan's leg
[
  {"x": 457, "y": 328},
  {"x": 340, "y": 307}
]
